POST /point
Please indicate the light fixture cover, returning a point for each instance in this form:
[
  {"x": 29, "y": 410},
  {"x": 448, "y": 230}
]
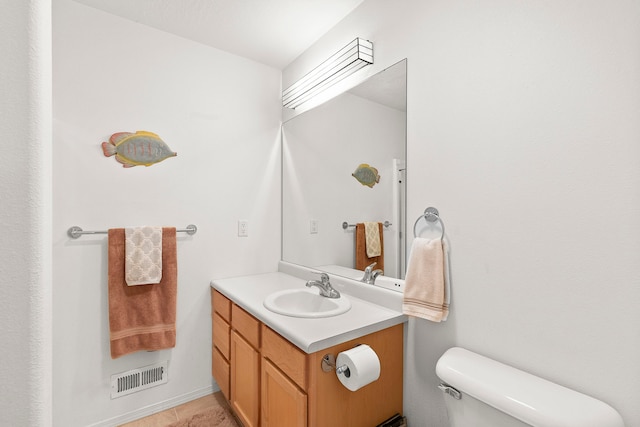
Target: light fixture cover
[{"x": 348, "y": 60}]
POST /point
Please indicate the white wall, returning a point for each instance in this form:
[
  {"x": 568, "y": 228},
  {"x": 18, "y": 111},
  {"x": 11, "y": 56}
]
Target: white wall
[
  {"x": 25, "y": 213},
  {"x": 523, "y": 131},
  {"x": 221, "y": 114}
]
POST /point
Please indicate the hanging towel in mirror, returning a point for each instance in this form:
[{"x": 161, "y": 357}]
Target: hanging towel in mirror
[
  {"x": 426, "y": 291},
  {"x": 143, "y": 251},
  {"x": 362, "y": 260},
  {"x": 372, "y": 239},
  {"x": 141, "y": 317}
]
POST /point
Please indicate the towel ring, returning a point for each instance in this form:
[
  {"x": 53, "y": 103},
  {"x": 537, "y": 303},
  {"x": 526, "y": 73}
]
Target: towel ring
[{"x": 431, "y": 215}]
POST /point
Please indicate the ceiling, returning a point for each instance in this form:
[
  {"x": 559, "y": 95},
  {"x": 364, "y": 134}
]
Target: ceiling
[{"x": 272, "y": 32}]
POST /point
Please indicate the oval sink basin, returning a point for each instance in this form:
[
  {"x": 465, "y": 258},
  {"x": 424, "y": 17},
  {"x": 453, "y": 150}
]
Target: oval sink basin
[{"x": 305, "y": 303}]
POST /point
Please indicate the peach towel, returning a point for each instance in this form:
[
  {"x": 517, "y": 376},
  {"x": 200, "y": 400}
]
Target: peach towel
[
  {"x": 142, "y": 317},
  {"x": 426, "y": 291},
  {"x": 362, "y": 260}
]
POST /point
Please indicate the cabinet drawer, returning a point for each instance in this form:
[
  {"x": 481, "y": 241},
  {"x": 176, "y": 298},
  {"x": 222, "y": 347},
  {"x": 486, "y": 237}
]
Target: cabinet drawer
[
  {"x": 221, "y": 305},
  {"x": 221, "y": 331},
  {"x": 286, "y": 356},
  {"x": 246, "y": 325},
  {"x": 221, "y": 370}
]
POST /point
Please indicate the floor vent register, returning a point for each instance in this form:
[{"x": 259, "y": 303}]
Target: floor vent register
[{"x": 139, "y": 379}]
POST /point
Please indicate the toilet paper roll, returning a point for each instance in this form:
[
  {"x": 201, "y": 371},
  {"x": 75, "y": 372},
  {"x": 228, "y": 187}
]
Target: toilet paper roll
[{"x": 362, "y": 367}]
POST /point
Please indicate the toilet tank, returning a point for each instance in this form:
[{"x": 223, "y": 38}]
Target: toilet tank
[{"x": 494, "y": 394}]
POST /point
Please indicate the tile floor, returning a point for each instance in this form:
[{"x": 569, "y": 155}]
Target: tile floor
[{"x": 183, "y": 411}]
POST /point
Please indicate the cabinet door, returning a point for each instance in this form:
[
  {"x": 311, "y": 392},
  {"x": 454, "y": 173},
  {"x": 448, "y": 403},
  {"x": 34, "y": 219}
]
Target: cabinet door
[
  {"x": 245, "y": 381},
  {"x": 283, "y": 403}
]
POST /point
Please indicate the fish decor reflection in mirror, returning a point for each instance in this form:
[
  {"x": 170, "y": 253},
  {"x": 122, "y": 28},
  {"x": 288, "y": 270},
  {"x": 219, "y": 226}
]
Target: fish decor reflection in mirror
[
  {"x": 366, "y": 175},
  {"x": 137, "y": 149}
]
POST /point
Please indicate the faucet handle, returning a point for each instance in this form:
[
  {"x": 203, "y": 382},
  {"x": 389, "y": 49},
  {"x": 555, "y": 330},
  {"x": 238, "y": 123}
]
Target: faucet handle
[
  {"x": 324, "y": 277},
  {"x": 370, "y": 267},
  {"x": 370, "y": 274},
  {"x": 326, "y": 290}
]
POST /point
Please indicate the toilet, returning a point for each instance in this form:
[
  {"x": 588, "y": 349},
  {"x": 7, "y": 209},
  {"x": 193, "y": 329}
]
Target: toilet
[{"x": 482, "y": 392}]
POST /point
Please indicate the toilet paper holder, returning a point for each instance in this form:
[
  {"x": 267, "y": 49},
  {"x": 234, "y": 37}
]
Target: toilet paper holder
[{"x": 328, "y": 364}]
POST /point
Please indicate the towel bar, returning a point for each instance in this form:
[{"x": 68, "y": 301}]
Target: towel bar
[
  {"x": 431, "y": 215},
  {"x": 346, "y": 225},
  {"x": 75, "y": 231}
]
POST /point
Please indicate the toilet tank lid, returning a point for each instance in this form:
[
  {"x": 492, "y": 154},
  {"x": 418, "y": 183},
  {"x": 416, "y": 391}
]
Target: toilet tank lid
[{"x": 526, "y": 397}]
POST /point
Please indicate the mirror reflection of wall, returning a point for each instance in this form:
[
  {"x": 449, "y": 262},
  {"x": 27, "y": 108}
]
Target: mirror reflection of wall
[{"x": 321, "y": 149}]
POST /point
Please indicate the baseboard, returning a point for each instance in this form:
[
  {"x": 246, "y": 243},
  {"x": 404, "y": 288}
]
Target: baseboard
[{"x": 157, "y": 407}]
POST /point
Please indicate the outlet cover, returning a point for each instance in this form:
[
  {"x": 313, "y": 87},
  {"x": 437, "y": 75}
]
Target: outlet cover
[{"x": 243, "y": 228}]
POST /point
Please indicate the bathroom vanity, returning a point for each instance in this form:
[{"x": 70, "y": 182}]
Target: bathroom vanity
[{"x": 270, "y": 366}]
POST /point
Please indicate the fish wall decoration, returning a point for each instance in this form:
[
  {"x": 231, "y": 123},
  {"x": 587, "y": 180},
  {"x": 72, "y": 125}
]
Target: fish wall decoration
[
  {"x": 366, "y": 175},
  {"x": 137, "y": 149}
]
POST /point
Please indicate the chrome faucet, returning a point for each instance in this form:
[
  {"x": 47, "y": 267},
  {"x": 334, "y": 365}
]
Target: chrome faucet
[
  {"x": 370, "y": 274},
  {"x": 326, "y": 290}
]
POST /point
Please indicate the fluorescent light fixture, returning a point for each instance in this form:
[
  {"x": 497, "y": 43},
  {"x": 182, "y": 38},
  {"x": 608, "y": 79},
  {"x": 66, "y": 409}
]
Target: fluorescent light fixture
[{"x": 348, "y": 60}]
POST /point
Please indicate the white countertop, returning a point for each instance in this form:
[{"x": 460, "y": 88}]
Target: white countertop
[{"x": 366, "y": 315}]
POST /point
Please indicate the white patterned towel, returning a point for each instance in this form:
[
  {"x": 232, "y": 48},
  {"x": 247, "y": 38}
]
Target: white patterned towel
[
  {"x": 372, "y": 239},
  {"x": 143, "y": 255}
]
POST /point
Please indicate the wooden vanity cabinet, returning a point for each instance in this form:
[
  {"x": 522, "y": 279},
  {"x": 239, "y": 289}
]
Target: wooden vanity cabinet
[{"x": 272, "y": 383}]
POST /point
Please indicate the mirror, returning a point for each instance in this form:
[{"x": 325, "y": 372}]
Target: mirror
[{"x": 321, "y": 150}]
